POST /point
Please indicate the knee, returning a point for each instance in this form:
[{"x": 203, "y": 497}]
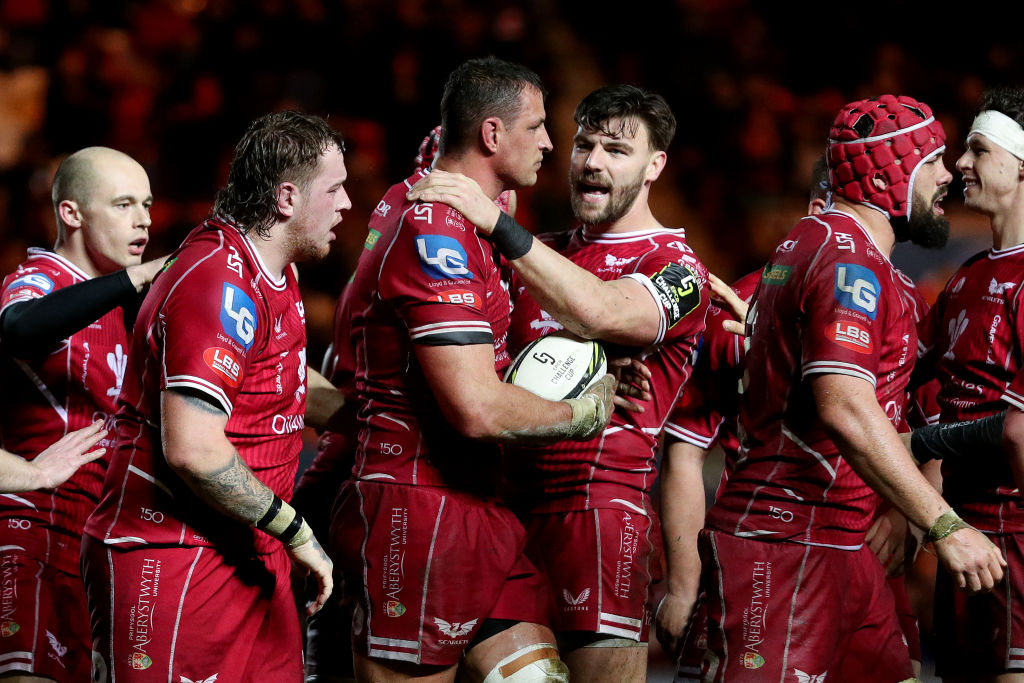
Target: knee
[{"x": 538, "y": 663}]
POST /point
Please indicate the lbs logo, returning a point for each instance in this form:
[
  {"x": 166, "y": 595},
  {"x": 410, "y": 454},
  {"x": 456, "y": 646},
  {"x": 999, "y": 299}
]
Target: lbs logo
[
  {"x": 850, "y": 335},
  {"x": 442, "y": 257},
  {"x": 238, "y": 315},
  {"x": 223, "y": 362},
  {"x": 857, "y": 288}
]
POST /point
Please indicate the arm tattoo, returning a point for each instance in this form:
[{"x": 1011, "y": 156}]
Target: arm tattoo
[
  {"x": 234, "y": 490},
  {"x": 201, "y": 402}
]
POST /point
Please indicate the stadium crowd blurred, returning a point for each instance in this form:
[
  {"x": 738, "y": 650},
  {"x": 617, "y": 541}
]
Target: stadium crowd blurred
[{"x": 173, "y": 82}]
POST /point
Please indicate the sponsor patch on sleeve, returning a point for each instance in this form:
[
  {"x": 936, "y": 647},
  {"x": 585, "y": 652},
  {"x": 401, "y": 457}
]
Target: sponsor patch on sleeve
[
  {"x": 850, "y": 335},
  {"x": 238, "y": 315},
  {"x": 442, "y": 257},
  {"x": 463, "y": 297},
  {"x": 857, "y": 288},
  {"x": 776, "y": 275},
  {"x": 223, "y": 363},
  {"x": 371, "y": 238},
  {"x": 37, "y": 281},
  {"x": 679, "y": 290}
]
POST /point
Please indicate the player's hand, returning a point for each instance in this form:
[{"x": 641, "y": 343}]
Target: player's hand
[
  {"x": 670, "y": 622},
  {"x": 732, "y": 303},
  {"x": 975, "y": 563},
  {"x": 632, "y": 379},
  {"x": 887, "y": 539},
  {"x": 57, "y": 463},
  {"x": 144, "y": 273},
  {"x": 311, "y": 557},
  {"x": 462, "y": 194}
]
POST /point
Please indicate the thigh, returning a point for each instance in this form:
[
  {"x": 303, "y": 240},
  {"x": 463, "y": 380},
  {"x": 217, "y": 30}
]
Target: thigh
[
  {"x": 982, "y": 634},
  {"x": 597, "y": 563},
  {"x": 778, "y": 609},
  {"x": 44, "y": 624},
  {"x": 425, "y": 566},
  {"x": 187, "y": 614}
]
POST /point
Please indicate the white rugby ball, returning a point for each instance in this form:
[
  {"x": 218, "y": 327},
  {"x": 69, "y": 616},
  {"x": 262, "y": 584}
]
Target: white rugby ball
[{"x": 555, "y": 367}]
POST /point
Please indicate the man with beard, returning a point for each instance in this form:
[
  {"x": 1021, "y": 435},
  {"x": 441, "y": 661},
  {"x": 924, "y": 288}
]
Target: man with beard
[
  {"x": 975, "y": 344},
  {"x": 639, "y": 289},
  {"x": 187, "y": 558},
  {"x": 792, "y": 589}
]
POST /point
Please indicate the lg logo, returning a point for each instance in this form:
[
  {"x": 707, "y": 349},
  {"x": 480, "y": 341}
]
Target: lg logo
[
  {"x": 857, "y": 288},
  {"x": 442, "y": 257}
]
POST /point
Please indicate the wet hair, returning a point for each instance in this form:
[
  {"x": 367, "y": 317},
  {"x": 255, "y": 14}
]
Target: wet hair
[
  {"x": 1005, "y": 100},
  {"x": 629, "y": 104},
  {"x": 477, "y": 90},
  {"x": 819, "y": 179},
  {"x": 281, "y": 147}
]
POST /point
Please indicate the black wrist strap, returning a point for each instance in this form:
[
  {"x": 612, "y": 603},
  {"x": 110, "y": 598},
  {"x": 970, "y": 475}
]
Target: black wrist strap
[
  {"x": 957, "y": 438},
  {"x": 512, "y": 239},
  {"x": 275, "y": 507}
]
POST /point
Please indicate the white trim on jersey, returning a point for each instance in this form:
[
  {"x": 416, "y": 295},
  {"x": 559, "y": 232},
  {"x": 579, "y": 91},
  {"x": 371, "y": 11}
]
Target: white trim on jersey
[
  {"x": 994, "y": 253},
  {"x": 151, "y": 479},
  {"x": 31, "y": 296},
  {"x": 376, "y": 475},
  {"x": 635, "y": 236},
  {"x": 261, "y": 267},
  {"x": 834, "y": 367},
  {"x": 19, "y": 660},
  {"x": 653, "y": 291},
  {"x": 388, "y": 416},
  {"x": 632, "y": 506},
  {"x": 181, "y": 607},
  {"x": 449, "y": 327},
  {"x": 5, "y": 548},
  {"x": 61, "y": 411},
  {"x": 1013, "y": 399},
  {"x": 18, "y": 499},
  {"x": 125, "y": 539},
  {"x": 804, "y": 447},
  {"x": 39, "y": 253},
  {"x": 202, "y": 385},
  {"x": 691, "y": 437}
]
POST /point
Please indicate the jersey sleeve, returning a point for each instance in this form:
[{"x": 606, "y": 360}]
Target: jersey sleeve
[
  {"x": 1014, "y": 392},
  {"x": 211, "y": 325},
  {"x": 26, "y": 284},
  {"x": 696, "y": 418},
  {"x": 678, "y": 283},
  {"x": 437, "y": 273},
  {"x": 843, "y": 316}
]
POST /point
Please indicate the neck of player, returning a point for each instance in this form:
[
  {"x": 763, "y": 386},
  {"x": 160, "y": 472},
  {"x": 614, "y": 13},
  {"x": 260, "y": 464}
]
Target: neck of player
[{"x": 476, "y": 167}]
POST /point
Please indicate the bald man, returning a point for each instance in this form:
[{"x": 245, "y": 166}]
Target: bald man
[{"x": 63, "y": 340}]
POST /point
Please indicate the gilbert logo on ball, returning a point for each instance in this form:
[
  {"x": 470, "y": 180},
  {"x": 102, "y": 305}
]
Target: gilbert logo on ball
[{"x": 556, "y": 367}]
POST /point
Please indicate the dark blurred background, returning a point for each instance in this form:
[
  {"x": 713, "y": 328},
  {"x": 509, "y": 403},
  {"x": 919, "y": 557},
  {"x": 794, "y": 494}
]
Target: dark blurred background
[{"x": 754, "y": 86}]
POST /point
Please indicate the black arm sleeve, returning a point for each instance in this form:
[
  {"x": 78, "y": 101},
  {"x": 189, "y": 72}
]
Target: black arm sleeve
[
  {"x": 957, "y": 438},
  {"x": 28, "y": 328}
]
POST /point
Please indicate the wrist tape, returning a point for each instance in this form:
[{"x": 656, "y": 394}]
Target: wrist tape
[
  {"x": 512, "y": 239},
  {"x": 587, "y": 417},
  {"x": 285, "y": 524},
  {"x": 947, "y": 523}
]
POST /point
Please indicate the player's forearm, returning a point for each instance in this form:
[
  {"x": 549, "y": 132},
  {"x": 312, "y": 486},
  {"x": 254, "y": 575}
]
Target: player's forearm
[
  {"x": 682, "y": 515},
  {"x": 323, "y": 400},
  {"x": 17, "y": 474},
  {"x": 585, "y": 304},
  {"x": 869, "y": 443},
  {"x": 34, "y": 326},
  {"x": 1013, "y": 444},
  {"x": 196, "y": 448}
]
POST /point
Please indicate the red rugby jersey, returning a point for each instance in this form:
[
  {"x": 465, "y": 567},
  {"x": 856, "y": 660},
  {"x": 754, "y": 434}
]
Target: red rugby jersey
[
  {"x": 217, "y": 323},
  {"x": 709, "y": 407},
  {"x": 973, "y": 341},
  {"x": 828, "y": 302},
  {"x": 59, "y": 390},
  {"x": 425, "y": 277},
  {"x": 615, "y": 470}
]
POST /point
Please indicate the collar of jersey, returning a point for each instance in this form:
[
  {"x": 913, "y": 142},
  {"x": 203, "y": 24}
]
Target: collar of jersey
[
  {"x": 860, "y": 227},
  {"x": 1009, "y": 251},
  {"x": 37, "y": 252},
  {"x": 628, "y": 236}
]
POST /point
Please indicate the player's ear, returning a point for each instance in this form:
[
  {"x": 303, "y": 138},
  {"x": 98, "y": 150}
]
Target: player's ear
[
  {"x": 69, "y": 213},
  {"x": 656, "y": 165},
  {"x": 490, "y": 130},
  {"x": 287, "y": 195}
]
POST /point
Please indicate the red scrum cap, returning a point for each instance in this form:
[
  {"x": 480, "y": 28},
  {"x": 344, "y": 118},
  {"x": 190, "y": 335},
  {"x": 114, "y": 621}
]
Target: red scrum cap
[{"x": 875, "y": 148}]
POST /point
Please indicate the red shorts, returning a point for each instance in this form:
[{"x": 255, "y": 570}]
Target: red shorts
[
  {"x": 982, "y": 635},
  {"x": 689, "y": 666},
  {"x": 44, "y": 623},
  {"x": 597, "y": 564},
  {"x": 775, "y": 609},
  {"x": 185, "y": 613},
  {"x": 427, "y": 566}
]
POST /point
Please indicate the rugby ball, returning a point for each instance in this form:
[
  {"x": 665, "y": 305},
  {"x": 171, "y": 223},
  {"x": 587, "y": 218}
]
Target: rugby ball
[{"x": 556, "y": 367}]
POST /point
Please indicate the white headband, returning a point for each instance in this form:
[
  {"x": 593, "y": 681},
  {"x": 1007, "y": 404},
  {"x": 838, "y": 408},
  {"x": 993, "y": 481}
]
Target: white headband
[{"x": 1000, "y": 129}]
